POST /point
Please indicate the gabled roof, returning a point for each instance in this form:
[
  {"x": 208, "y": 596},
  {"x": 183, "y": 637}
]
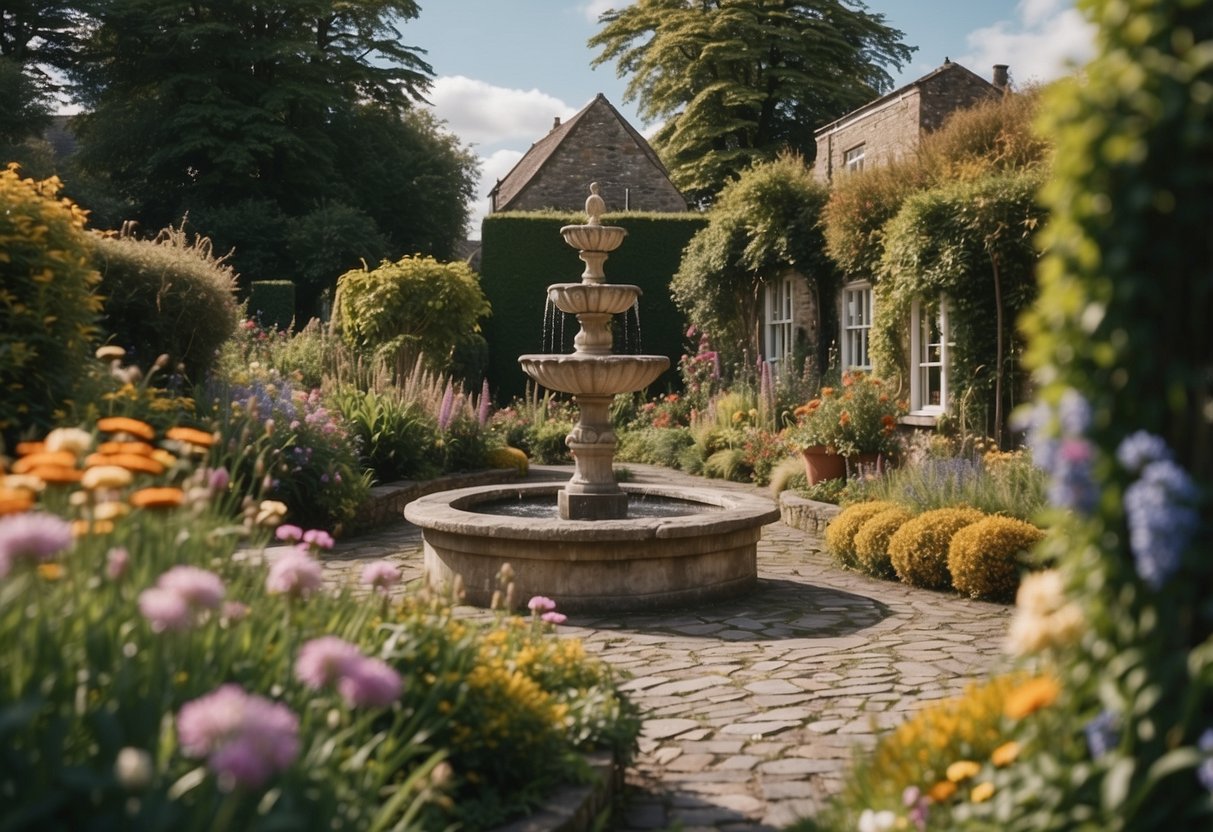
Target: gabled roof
[
  {"x": 945, "y": 67},
  {"x": 512, "y": 184}
]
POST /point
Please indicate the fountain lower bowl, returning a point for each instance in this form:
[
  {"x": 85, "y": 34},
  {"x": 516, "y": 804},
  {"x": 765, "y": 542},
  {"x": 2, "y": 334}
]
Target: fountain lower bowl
[
  {"x": 631, "y": 564},
  {"x": 594, "y": 375}
]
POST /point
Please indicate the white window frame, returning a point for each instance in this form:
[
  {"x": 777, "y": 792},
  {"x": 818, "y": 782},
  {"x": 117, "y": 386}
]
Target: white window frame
[
  {"x": 852, "y": 158},
  {"x": 855, "y": 315},
  {"x": 922, "y": 362},
  {"x": 779, "y": 331}
]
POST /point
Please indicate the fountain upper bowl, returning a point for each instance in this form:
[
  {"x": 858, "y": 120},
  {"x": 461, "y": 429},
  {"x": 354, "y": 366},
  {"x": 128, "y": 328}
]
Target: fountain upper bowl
[
  {"x": 594, "y": 375},
  {"x": 593, "y": 237},
  {"x": 602, "y": 298}
]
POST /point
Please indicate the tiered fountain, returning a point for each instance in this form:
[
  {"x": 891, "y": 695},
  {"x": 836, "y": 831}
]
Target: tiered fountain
[{"x": 692, "y": 544}]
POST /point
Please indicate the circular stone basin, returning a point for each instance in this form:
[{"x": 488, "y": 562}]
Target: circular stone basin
[
  {"x": 637, "y": 563},
  {"x": 594, "y": 375},
  {"x": 602, "y": 298},
  {"x": 593, "y": 237}
]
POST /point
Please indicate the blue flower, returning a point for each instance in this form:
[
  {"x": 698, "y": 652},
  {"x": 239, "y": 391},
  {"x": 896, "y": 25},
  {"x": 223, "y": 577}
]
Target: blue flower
[
  {"x": 1204, "y": 772},
  {"x": 1102, "y": 734},
  {"x": 1074, "y": 412},
  {"x": 1071, "y": 485},
  {"x": 1137, "y": 450},
  {"x": 1162, "y": 520}
]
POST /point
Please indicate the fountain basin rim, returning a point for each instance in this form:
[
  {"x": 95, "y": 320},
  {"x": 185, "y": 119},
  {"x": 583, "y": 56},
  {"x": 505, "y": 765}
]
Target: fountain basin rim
[
  {"x": 448, "y": 511},
  {"x": 589, "y": 374}
]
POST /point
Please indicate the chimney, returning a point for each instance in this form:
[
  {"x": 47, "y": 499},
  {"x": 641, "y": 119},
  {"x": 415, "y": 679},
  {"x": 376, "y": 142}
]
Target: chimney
[
  {"x": 1002, "y": 77},
  {"x": 555, "y": 122}
]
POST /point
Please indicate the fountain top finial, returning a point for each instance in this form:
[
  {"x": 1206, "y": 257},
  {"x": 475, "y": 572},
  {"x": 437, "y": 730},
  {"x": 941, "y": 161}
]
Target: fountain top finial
[{"x": 594, "y": 205}]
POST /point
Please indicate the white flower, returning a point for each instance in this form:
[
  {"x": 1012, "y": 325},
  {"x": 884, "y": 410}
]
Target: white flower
[
  {"x": 871, "y": 821},
  {"x": 75, "y": 440},
  {"x": 133, "y": 768}
]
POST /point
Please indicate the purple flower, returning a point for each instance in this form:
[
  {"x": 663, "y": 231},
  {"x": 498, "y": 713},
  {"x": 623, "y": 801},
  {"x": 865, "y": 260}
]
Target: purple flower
[
  {"x": 323, "y": 660},
  {"x": 1139, "y": 449},
  {"x": 482, "y": 413},
  {"x": 117, "y": 560},
  {"x": 289, "y": 533},
  {"x": 318, "y": 539},
  {"x": 541, "y": 604},
  {"x": 370, "y": 683},
  {"x": 917, "y": 805},
  {"x": 218, "y": 480},
  {"x": 32, "y": 536},
  {"x": 245, "y": 738},
  {"x": 1102, "y": 734},
  {"x": 555, "y": 617},
  {"x": 197, "y": 587},
  {"x": 165, "y": 609},
  {"x": 381, "y": 575},
  {"x": 1204, "y": 772},
  {"x": 1162, "y": 520},
  {"x": 294, "y": 573},
  {"x": 446, "y": 409},
  {"x": 1071, "y": 485},
  {"x": 1074, "y": 412},
  {"x": 235, "y": 611}
]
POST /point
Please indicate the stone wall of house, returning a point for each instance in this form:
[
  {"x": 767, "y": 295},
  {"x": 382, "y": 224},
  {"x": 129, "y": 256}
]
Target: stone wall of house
[
  {"x": 888, "y": 131},
  {"x": 599, "y": 149},
  {"x": 948, "y": 92},
  {"x": 804, "y": 312}
]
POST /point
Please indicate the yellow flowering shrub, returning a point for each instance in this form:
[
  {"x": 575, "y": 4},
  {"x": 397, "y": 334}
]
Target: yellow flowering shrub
[
  {"x": 840, "y": 534},
  {"x": 918, "y": 550},
  {"x": 985, "y": 558},
  {"x": 872, "y": 541}
]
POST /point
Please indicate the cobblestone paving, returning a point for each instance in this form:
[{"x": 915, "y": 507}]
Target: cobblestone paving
[{"x": 754, "y": 707}]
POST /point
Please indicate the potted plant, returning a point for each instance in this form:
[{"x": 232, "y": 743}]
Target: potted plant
[{"x": 855, "y": 421}]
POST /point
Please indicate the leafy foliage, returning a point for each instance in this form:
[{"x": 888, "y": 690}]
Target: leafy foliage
[
  {"x": 733, "y": 83},
  {"x": 986, "y": 558},
  {"x": 396, "y": 438},
  {"x": 840, "y": 534},
  {"x": 48, "y": 303},
  {"x": 919, "y": 549},
  {"x": 872, "y": 541}
]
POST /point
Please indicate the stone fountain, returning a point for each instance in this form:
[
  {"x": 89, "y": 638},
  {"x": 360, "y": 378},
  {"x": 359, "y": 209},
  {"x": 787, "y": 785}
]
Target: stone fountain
[{"x": 588, "y": 553}]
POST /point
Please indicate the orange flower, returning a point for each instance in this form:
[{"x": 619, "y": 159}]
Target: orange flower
[
  {"x": 81, "y": 527},
  {"x": 14, "y": 502},
  {"x": 941, "y": 791},
  {"x": 27, "y": 448},
  {"x": 963, "y": 770},
  {"x": 167, "y": 497},
  {"x": 124, "y": 424},
  {"x": 1031, "y": 696},
  {"x": 844, "y": 419},
  {"x": 890, "y": 423},
  {"x": 28, "y": 463},
  {"x": 203, "y": 439},
  {"x": 982, "y": 792},
  {"x": 115, "y": 447},
  {"x": 50, "y": 571},
  {"x": 57, "y": 474},
  {"x": 131, "y": 462},
  {"x": 826, "y": 392},
  {"x": 1005, "y": 754}
]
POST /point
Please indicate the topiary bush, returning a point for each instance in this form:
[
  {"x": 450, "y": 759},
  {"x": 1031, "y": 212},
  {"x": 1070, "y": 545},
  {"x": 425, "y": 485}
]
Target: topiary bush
[
  {"x": 919, "y": 549},
  {"x": 985, "y": 558},
  {"x": 840, "y": 534},
  {"x": 872, "y": 541},
  {"x": 414, "y": 307},
  {"x": 48, "y": 303},
  {"x": 168, "y": 296}
]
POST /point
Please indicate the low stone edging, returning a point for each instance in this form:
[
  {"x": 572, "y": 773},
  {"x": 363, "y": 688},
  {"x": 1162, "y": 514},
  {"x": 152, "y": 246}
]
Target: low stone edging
[
  {"x": 803, "y": 514},
  {"x": 386, "y": 502},
  {"x": 575, "y": 808}
]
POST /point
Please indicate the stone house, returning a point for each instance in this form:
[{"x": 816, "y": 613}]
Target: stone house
[
  {"x": 878, "y": 133},
  {"x": 595, "y": 145}
]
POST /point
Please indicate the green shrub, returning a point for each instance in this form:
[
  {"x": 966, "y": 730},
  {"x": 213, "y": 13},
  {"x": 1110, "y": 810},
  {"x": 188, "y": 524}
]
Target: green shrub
[
  {"x": 272, "y": 303},
  {"x": 919, "y": 549},
  {"x": 727, "y": 464},
  {"x": 412, "y": 308},
  {"x": 48, "y": 307},
  {"x": 545, "y": 444},
  {"x": 654, "y": 446},
  {"x": 985, "y": 558},
  {"x": 840, "y": 534},
  {"x": 788, "y": 474},
  {"x": 395, "y": 438},
  {"x": 170, "y": 296},
  {"x": 872, "y": 541}
]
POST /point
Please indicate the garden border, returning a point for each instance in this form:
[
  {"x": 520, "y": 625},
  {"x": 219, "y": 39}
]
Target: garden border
[
  {"x": 804, "y": 514},
  {"x": 576, "y": 808}
]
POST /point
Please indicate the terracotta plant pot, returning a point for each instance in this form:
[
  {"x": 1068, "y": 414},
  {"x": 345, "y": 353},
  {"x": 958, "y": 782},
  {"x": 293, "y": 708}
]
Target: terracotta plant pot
[{"x": 821, "y": 464}]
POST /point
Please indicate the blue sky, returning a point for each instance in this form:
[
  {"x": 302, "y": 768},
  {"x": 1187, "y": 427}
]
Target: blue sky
[{"x": 505, "y": 68}]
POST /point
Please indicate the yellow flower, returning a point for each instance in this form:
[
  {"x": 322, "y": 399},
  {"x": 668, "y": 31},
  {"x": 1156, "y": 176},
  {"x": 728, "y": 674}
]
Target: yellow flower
[
  {"x": 270, "y": 513},
  {"x": 941, "y": 791},
  {"x": 962, "y": 770},
  {"x": 982, "y": 792},
  {"x": 1005, "y": 754},
  {"x": 1031, "y": 696},
  {"x": 50, "y": 571},
  {"x": 111, "y": 511},
  {"x": 105, "y": 476}
]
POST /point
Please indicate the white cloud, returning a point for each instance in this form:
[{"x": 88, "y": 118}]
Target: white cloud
[
  {"x": 492, "y": 168},
  {"x": 596, "y": 7},
  {"x": 480, "y": 113},
  {"x": 1046, "y": 40}
]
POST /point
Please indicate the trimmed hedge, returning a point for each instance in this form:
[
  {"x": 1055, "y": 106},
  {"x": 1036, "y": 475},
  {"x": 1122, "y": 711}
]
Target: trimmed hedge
[
  {"x": 523, "y": 253},
  {"x": 272, "y": 303}
]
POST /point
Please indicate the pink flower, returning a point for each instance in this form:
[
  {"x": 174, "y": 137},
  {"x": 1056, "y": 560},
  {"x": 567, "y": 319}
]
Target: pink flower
[
  {"x": 117, "y": 560},
  {"x": 288, "y": 532},
  {"x": 33, "y": 536},
  {"x": 218, "y": 480},
  {"x": 318, "y": 539},
  {"x": 371, "y": 683},
  {"x": 198, "y": 587},
  {"x": 165, "y": 609},
  {"x": 245, "y": 738},
  {"x": 541, "y": 604},
  {"x": 323, "y": 660},
  {"x": 381, "y": 575},
  {"x": 294, "y": 573},
  {"x": 555, "y": 617},
  {"x": 235, "y": 611}
]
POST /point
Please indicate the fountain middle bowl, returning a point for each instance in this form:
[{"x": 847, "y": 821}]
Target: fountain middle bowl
[
  {"x": 601, "y": 298},
  {"x": 631, "y": 564},
  {"x": 594, "y": 375}
]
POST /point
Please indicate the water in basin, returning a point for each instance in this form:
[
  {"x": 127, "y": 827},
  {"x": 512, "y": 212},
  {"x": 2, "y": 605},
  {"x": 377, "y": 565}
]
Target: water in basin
[{"x": 544, "y": 508}]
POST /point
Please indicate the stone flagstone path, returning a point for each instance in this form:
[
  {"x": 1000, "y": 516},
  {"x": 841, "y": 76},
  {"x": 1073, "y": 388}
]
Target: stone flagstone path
[{"x": 755, "y": 706}]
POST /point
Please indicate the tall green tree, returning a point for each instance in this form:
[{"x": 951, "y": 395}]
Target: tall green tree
[
  {"x": 247, "y": 117},
  {"x": 735, "y": 81},
  {"x": 37, "y": 40}
]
